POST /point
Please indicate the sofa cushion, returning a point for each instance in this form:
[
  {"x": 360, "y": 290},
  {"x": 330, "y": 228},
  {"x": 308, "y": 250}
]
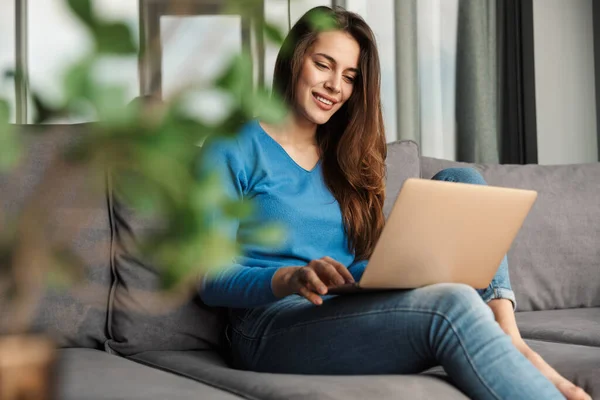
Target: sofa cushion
[
  {"x": 575, "y": 326},
  {"x": 75, "y": 198},
  {"x": 555, "y": 259},
  {"x": 208, "y": 367},
  {"x": 402, "y": 163},
  {"x": 141, "y": 317},
  {"x": 580, "y": 364},
  {"x": 95, "y": 375}
]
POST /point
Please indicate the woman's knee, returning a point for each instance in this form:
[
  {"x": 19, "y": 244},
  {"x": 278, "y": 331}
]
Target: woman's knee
[
  {"x": 456, "y": 299},
  {"x": 463, "y": 175}
]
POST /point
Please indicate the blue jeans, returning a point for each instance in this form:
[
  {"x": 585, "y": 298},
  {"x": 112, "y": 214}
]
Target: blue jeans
[{"x": 393, "y": 332}]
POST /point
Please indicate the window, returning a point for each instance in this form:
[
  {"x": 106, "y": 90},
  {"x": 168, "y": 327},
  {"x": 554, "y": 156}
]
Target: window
[{"x": 7, "y": 53}]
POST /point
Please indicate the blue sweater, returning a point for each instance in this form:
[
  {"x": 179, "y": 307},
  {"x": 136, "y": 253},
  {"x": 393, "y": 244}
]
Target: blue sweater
[{"x": 254, "y": 166}]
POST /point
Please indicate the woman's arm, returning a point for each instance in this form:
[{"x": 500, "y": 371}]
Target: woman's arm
[
  {"x": 232, "y": 285},
  {"x": 357, "y": 268},
  {"x": 238, "y": 286}
]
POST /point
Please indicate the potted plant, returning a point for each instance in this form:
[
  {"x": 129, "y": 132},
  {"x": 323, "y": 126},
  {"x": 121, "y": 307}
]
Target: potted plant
[{"x": 151, "y": 148}]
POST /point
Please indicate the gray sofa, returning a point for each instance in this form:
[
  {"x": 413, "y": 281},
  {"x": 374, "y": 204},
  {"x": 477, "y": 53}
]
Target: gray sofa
[{"x": 119, "y": 341}]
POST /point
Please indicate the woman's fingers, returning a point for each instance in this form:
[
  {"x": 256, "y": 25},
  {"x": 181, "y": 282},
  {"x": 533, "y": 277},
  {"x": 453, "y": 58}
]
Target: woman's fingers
[
  {"x": 341, "y": 269},
  {"x": 311, "y": 280},
  {"x": 327, "y": 272},
  {"x": 310, "y": 296},
  {"x": 310, "y": 277}
]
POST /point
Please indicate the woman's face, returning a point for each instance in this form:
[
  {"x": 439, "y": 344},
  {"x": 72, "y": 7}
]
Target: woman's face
[{"x": 326, "y": 81}]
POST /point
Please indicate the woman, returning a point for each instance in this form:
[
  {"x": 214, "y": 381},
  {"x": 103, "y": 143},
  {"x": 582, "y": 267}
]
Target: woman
[{"x": 321, "y": 172}]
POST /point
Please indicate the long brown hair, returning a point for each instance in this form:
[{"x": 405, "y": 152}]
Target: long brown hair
[{"x": 352, "y": 143}]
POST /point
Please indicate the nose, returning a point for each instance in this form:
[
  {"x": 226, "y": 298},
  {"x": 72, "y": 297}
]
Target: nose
[{"x": 334, "y": 83}]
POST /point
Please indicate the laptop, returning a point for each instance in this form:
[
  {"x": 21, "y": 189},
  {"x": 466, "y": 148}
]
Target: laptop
[{"x": 441, "y": 231}]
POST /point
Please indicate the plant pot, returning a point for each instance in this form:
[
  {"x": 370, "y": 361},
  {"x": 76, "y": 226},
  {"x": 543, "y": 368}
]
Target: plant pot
[{"x": 27, "y": 367}]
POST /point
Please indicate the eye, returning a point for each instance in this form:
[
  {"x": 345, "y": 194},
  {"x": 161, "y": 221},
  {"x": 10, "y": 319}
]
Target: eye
[
  {"x": 321, "y": 65},
  {"x": 349, "y": 79}
]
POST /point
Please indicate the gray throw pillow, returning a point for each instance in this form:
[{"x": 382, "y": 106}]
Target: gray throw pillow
[{"x": 140, "y": 317}]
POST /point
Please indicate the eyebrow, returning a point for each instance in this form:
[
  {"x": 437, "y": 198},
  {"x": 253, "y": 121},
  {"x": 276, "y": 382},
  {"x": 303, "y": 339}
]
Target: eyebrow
[{"x": 332, "y": 60}]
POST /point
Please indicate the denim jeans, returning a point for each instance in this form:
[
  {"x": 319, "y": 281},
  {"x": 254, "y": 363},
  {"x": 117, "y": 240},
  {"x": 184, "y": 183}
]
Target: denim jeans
[{"x": 393, "y": 332}]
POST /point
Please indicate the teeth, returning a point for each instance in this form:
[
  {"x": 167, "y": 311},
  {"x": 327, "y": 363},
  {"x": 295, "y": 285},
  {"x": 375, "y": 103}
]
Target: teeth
[{"x": 322, "y": 100}]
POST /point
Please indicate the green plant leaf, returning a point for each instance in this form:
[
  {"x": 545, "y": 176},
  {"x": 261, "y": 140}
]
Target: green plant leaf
[
  {"x": 4, "y": 112},
  {"x": 266, "y": 106},
  {"x": 83, "y": 9},
  {"x": 10, "y": 149},
  {"x": 238, "y": 209},
  {"x": 138, "y": 192},
  {"x": 231, "y": 125},
  {"x": 159, "y": 149},
  {"x": 66, "y": 269},
  {"x": 273, "y": 33},
  {"x": 109, "y": 101},
  {"x": 270, "y": 235},
  {"x": 218, "y": 251},
  {"x": 237, "y": 78},
  {"x": 114, "y": 38},
  {"x": 208, "y": 193},
  {"x": 170, "y": 277},
  {"x": 10, "y": 146},
  {"x": 78, "y": 80},
  {"x": 44, "y": 110},
  {"x": 323, "y": 21},
  {"x": 244, "y": 7}
]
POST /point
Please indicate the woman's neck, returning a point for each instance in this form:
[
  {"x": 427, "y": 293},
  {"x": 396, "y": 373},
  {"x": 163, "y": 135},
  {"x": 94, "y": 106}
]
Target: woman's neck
[{"x": 294, "y": 130}]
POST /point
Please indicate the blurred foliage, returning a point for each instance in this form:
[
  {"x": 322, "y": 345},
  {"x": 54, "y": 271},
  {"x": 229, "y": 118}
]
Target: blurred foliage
[
  {"x": 10, "y": 148},
  {"x": 152, "y": 150},
  {"x": 323, "y": 21}
]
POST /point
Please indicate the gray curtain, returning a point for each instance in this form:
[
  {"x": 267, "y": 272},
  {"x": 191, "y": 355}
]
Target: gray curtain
[
  {"x": 477, "y": 116},
  {"x": 477, "y": 82},
  {"x": 407, "y": 71}
]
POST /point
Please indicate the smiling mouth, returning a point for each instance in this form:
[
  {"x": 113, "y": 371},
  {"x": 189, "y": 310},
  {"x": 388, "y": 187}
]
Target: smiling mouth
[{"x": 323, "y": 100}]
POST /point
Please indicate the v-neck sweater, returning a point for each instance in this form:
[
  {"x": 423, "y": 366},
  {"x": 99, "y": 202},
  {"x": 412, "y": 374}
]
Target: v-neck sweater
[{"x": 252, "y": 165}]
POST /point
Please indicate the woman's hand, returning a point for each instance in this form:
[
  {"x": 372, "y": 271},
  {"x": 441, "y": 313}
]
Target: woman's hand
[{"x": 312, "y": 280}]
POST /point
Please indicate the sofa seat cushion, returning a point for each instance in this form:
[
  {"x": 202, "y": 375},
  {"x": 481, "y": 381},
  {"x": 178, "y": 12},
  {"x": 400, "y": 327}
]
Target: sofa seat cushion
[
  {"x": 94, "y": 375},
  {"x": 579, "y": 364},
  {"x": 575, "y": 326},
  {"x": 208, "y": 367}
]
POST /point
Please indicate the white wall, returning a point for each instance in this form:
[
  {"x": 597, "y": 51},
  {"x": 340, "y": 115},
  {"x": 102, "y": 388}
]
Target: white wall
[{"x": 565, "y": 81}]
